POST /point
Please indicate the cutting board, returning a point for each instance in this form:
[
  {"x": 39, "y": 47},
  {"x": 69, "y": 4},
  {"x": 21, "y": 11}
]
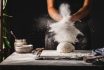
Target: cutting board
[{"x": 57, "y": 55}]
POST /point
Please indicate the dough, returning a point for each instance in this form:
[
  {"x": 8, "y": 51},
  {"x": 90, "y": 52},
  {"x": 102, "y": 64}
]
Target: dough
[{"x": 65, "y": 47}]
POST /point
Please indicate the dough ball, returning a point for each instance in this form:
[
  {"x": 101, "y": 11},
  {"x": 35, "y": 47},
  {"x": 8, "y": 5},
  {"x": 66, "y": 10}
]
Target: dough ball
[{"x": 65, "y": 47}]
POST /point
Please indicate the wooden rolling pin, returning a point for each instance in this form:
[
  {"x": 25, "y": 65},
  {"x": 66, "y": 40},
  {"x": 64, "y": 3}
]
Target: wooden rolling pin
[
  {"x": 37, "y": 51},
  {"x": 90, "y": 59}
]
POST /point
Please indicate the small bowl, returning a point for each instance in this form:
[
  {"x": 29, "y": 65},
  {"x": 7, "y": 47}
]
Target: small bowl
[{"x": 24, "y": 48}]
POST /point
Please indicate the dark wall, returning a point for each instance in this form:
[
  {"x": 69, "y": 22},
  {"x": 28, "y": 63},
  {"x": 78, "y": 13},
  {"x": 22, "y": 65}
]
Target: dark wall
[
  {"x": 24, "y": 12},
  {"x": 97, "y": 23}
]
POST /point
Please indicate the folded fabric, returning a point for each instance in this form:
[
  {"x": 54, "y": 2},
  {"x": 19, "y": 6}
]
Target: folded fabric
[{"x": 99, "y": 51}]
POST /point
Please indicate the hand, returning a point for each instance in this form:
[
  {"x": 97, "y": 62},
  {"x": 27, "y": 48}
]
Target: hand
[{"x": 75, "y": 18}]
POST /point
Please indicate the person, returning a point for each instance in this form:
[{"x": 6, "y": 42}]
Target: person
[{"x": 79, "y": 13}]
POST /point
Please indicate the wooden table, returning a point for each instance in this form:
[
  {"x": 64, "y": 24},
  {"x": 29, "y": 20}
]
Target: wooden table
[{"x": 28, "y": 59}]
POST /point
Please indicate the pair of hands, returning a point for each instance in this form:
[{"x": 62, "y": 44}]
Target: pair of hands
[
  {"x": 82, "y": 12},
  {"x": 73, "y": 18},
  {"x": 54, "y": 14}
]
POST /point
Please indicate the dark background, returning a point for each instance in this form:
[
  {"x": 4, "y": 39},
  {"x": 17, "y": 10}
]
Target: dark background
[{"x": 25, "y": 11}]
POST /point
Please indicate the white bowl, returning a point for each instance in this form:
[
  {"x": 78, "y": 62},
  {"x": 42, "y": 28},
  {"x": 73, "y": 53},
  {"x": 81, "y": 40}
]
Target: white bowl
[{"x": 24, "y": 48}]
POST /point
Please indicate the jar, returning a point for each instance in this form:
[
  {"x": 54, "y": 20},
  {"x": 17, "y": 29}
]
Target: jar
[{"x": 19, "y": 42}]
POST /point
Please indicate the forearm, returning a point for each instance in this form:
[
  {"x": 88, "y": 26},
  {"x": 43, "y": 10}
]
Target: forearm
[
  {"x": 53, "y": 12},
  {"x": 83, "y": 11}
]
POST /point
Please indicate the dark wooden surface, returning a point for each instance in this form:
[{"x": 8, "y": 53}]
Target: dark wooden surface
[{"x": 29, "y": 59}]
